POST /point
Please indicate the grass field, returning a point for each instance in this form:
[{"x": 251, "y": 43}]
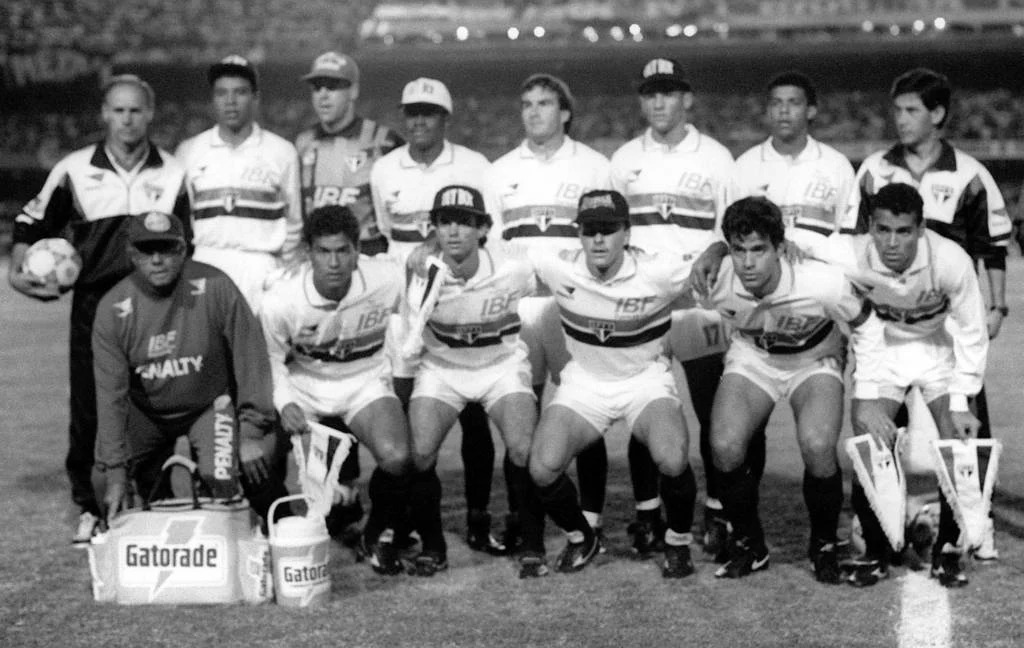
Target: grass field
[{"x": 45, "y": 598}]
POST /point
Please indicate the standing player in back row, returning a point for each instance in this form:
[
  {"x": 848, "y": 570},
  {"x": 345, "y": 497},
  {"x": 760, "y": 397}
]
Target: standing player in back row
[
  {"x": 678, "y": 182},
  {"x": 539, "y": 184}
]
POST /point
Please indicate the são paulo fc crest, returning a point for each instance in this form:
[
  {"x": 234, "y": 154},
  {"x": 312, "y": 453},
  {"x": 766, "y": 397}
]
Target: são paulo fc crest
[
  {"x": 230, "y": 200},
  {"x": 356, "y": 161},
  {"x": 942, "y": 193},
  {"x": 543, "y": 216},
  {"x": 602, "y": 329},
  {"x": 469, "y": 333},
  {"x": 423, "y": 225},
  {"x": 664, "y": 203}
]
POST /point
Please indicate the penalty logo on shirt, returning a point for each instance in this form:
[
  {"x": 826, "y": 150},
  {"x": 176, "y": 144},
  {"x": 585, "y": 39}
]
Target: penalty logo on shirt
[
  {"x": 881, "y": 476},
  {"x": 967, "y": 475},
  {"x": 664, "y": 203}
]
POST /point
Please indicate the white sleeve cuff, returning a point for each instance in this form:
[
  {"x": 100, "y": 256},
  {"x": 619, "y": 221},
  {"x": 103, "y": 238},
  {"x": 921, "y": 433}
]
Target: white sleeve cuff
[
  {"x": 865, "y": 390},
  {"x": 958, "y": 403}
]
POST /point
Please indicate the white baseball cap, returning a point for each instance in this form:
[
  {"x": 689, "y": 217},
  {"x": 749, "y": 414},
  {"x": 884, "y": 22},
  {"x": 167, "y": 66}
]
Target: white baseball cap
[{"x": 427, "y": 91}]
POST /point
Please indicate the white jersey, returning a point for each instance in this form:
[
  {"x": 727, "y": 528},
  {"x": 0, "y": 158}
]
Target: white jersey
[
  {"x": 797, "y": 323},
  {"x": 677, "y": 195},
  {"x": 244, "y": 197},
  {"x": 475, "y": 322},
  {"x": 614, "y": 328},
  {"x": 539, "y": 196},
  {"x": 940, "y": 283},
  {"x": 812, "y": 189},
  {"x": 315, "y": 342},
  {"x": 404, "y": 190}
]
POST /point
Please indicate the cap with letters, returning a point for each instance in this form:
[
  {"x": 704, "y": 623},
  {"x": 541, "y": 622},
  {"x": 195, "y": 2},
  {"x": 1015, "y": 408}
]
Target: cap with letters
[
  {"x": 233, "y": 65},
  {"x": 332, "y": 65},
  {"x": 155, "y": 226},
  {"x": 603, "y": 205},
  {"x": 460, "y": 199},
  {"x": 427, "y": 91},
  {"x": 663, "y": 73}
]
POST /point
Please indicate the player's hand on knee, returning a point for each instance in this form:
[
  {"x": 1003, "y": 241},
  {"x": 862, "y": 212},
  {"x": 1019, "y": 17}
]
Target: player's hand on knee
[
  {"x": 871, "y": 419},
  {"x": 32, "y": 286},
  {"x": 965, "y": 424},
  {"x": 254, "y": 464},
  {"x": 293, "y": 420},
  {"x": 115, "y": 500}
]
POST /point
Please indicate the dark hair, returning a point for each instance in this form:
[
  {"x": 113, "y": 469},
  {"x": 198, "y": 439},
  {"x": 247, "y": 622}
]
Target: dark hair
[
  {"x": 933, "y": 88},
  {"x": 330, "y": 220},
  {"x": 556, "y": 85},
  {"x": 797, "y": 80},
  {"x": 898, "y": 198},
  {"x": 754, "y": 215}
]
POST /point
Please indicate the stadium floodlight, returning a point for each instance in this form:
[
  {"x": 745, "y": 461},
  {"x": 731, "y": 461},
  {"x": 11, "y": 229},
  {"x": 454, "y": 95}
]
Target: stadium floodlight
[
  {"x": 513, "y": 33},
  {"x": 617, "y": 33},
  {"x": 867, "y": 26},
  {"x": 674, "y": 30},
  {"x": 634, "y": 29},
  {"x": 894, "y": 30},
  {"x": 721, "y": 28},
  {"x": 539, "y": 31},
  {"x": 1018, "y": 31},
  {"x": 462, "y": 32},
  {"x": 590, "y": 34},
  {"x": 918, "y": 26},
  {"x": 940, "y": 23},
  {"x": 690, "y": 30}
]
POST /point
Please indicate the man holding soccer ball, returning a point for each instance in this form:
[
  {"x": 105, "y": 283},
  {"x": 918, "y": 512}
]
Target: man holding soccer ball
[{"x": 93, "y": 192}]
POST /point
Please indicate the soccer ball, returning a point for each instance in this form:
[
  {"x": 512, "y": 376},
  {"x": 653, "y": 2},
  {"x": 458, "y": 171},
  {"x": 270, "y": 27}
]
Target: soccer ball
[{"x": 53, "y": 261}]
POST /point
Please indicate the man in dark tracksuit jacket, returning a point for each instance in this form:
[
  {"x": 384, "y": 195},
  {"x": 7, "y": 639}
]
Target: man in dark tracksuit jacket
[{"x": 177, "y": 351}]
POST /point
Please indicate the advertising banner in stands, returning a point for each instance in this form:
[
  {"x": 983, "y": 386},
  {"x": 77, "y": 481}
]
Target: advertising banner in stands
[{"x": 51, "y": 75}]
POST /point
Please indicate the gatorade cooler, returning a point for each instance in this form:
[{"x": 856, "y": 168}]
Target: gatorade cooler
[{"x": 300, "y": 547}]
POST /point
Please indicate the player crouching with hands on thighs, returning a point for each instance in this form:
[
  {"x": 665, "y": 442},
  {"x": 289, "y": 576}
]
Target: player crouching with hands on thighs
[
  {"x": 325, "y": 324},
  {"x": 177, "y": 353}
]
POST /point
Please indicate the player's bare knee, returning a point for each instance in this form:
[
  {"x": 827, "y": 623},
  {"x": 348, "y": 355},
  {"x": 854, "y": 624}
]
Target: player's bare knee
[
  {"x": 727, "y": 451},
  {"x": 540, "y": 474}
]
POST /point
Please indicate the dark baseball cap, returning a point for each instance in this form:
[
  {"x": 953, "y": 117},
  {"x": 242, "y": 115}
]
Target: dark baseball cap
[
  {"x": 603, "y": 205},
  {"x": 332, "y": 65},
  {"x": 233, "y": 65},
  {"x": 155, "y": 226},
  {"x": 460, "y": 199},
  {"x": 663, "y": 73}
]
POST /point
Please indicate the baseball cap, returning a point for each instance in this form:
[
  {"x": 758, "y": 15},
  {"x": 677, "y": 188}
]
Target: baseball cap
[
  {"x": 332, "y": 65},
  {"x": 427, "y": 91},
  {"x": 460, "y": 199},
  {"x": 155, "y": 226},
  {"x": 663, "y": 72},
  {"x": 603, "y": 205},
  {"x": 233, "y": 65}
]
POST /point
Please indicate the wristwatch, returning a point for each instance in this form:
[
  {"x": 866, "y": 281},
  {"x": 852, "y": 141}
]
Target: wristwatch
[{"x": 1003, "y": 310}]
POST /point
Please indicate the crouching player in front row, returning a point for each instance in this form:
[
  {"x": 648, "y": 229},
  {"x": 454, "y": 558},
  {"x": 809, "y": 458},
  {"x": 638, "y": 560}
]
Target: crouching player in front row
[
  {"x": 936, "y": 281},
  {"x": 786, "y": 343},
  {"x": 616, "y": 305},
  {"x": 325, "y": 324},
  {"x": 177, "y": 353}
]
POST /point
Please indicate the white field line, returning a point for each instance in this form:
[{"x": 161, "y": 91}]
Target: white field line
[{"x": 924, "y": 613}]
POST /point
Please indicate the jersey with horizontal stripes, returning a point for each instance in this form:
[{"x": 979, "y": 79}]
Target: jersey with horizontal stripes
[
  {"x": 334, "y": 168},
  {"x": 961, "y": 200},
  {"x": 539, "y": 196},
  {"x": 812, "y": 188},
  {"x": 798, "y": 323},
  {"x": 614, "y": 327},
  {"x": 677, "y": 195},
  {"x": 475, "y": 322},
  {"x": 939, "y": 284},
  {"x": 403, "y": 189},
  {"x": 90, "y": 200},
  {"x": 244, "y": 197}
]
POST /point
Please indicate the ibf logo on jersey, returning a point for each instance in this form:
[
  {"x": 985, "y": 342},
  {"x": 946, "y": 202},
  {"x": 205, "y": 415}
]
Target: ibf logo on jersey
[
  {"x": 664, "y": 203},
  {"x": 942, "y": 193},
  {"x": 602, "y": 329},
  {"x": 162, "y": 344},
  {"x": 178, "y": 556},
  {"x": 543, "y": 216},
  {"x": 330, "y": 195},
  {"x": 469, "y": 333},
  {"x": 695, "y": 184}
]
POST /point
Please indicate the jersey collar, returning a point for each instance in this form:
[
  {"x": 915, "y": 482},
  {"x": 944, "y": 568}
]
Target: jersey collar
[
  {"x": 921, "y": 261},
  {"x": 446, "y": 157},
  {"x": 689, "y": 144},
  {"x": 810, "y": 152},
  {"x": 101, "y": 160},
  {"x": 566, "y": 150},
  {"x": 786, "y": 282},
  {"x": 350, "y": 131},
  {"x": 316, "y": 300},
  {"x": 254, "y": 139},
  {"x": 625, "y": 273},
  {"x": 897, "y": 156}
]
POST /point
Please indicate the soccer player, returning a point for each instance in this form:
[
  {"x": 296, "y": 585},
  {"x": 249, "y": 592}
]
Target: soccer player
[
  {"x": 95, "y": 191},
  {"x": 335, "y": 158},
  {"x": 539, "y": 184},
  {"x": 615, "y": 304},
  {"x": 472, "y": 353},
  {"x": 808, "y": 180},
  {"x": 178, "y": 352},
  {"x": 244, "y": 184},
  {"x": 403, "y": 184},
  {"x": 678, "y": 182},
  {"x": 936, "y": 281},
  {"x": 786, "y": 342},
  {"x": 325, "y": 323}
]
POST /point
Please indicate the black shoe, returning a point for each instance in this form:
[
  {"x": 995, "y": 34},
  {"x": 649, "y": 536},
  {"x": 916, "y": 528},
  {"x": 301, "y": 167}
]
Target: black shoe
[
  {"x": 744, "y": 558},
  {"x": 382, "y": 556},
  {"x": 532, "y": 565},
  {"x": 429, "y": 563},
  {"x": 865, "y": 571},
  {"x": 678, "y": 563},
  {"x": 342, "y": 521},
  {"x": 578, "y": 555},
  {"x": 947, "y": 568},
  {"x": 825, "y": 561},
  {"x": 648, "y": 537},
  {"x": 478, "y": 534},
  {"x": 716, "y": 535}
]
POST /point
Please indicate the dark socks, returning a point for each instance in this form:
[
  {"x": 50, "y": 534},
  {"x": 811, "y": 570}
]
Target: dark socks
[
  {"x": 592, "y": 473},
  {"x": 824, "y": 500},
  {"x": 679, "y": 494},
  {"x": 477, "y": 456}
]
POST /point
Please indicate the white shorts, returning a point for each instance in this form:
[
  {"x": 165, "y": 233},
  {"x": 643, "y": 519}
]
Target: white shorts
[
  {"x": 344, "y": 398},
  {"x": 542, "y": 332},
  {"x": 926, "y": 364},
  {"x": 249, "y": 270},
  {"x": 602, "y": 402},
  {"x": 782, "y": 379},
  {"x": 696, "y": 333},
  {"x": 485, "y": 385}
]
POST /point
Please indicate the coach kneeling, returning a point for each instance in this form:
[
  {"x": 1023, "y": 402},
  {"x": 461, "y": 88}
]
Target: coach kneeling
[{"x": 178, "y": 352}]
